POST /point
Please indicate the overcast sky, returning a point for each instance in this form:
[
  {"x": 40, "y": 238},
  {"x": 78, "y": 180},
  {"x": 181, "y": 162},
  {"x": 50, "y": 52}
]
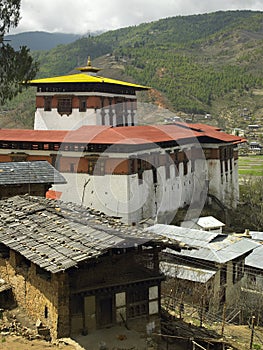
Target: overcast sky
[{"x": 83, "y": 16}]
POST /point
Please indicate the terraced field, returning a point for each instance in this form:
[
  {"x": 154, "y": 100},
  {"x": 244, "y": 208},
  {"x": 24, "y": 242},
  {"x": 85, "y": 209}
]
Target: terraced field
[{"x": 251, "y": 165}]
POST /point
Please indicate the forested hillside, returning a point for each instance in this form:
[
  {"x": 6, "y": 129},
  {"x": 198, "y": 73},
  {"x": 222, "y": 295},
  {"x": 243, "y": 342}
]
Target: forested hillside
[{"x": 210, "y": 63}]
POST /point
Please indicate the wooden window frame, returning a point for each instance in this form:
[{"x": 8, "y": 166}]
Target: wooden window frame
[
  {"x": 64, "y": 105},
  {"x": 47, "y": 103}
]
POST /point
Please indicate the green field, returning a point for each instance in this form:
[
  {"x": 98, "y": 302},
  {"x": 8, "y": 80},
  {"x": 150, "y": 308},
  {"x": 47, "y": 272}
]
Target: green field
[{"x": 251, "y": 165}]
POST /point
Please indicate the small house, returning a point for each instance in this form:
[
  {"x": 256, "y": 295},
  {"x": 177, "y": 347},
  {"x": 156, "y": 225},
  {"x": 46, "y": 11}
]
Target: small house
[
  {"x": 205, "y": 223},
  {"x": 76, "y": 270},
  {"x": 35, "y": 178},
  {"x": 211, "y": 272}
]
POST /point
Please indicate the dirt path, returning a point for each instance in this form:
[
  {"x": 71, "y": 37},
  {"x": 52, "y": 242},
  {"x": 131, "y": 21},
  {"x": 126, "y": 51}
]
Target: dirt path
[{"x": 13, "y": 342}]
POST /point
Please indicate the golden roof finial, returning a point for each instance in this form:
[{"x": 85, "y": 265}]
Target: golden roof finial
[{"x": 88, "y": 68}]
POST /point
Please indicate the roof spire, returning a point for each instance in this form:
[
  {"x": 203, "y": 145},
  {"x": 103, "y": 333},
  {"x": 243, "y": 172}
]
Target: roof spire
[
  {"x": 89, "y": 62},
  {"x": 88, "y": 68}
]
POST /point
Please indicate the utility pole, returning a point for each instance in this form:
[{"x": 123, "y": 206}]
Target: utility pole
[{"x": 252, "y": 332}]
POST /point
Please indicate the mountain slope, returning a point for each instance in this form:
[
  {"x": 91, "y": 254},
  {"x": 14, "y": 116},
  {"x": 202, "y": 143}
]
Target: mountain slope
[
  {"x": 209, "y": 63},
  {"x": 40, "y": 40}
]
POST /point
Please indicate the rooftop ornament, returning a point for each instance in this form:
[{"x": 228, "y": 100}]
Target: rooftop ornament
[{"x": 88, "y": 68}]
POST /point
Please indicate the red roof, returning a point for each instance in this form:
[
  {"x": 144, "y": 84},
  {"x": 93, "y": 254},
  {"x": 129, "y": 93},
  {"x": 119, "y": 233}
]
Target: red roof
[{"x": 124, "y": 135}]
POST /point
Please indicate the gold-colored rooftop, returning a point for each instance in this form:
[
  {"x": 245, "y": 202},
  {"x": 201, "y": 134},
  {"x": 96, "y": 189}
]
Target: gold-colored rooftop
[{"x": 86, "y": 76}]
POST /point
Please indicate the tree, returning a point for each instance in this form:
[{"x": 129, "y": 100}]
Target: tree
[
  {"x": 250, "y": 210},
  {"x": 16, "y": 67}
]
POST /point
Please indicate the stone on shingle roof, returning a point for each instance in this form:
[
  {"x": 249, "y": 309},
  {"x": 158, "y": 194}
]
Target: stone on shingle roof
[{"x": 38, "y": 172}]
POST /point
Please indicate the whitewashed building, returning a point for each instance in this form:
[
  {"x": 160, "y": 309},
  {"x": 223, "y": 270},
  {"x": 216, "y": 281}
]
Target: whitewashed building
[{"x": 86, "y": 126}]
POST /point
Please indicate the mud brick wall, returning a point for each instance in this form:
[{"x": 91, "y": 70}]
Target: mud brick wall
[{"x": 42, "y": 296}]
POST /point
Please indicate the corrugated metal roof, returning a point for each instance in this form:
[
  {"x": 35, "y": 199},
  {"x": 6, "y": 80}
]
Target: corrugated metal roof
[
  {"x": 191, "y": 237},
  {"x": 97, "y": 134},
  {"x": 220, "y": 252},
  {"x": 256, "y": 235},
  {"x": 211, "y": 246},
  {"x": 184, "y": 272},
  {"x": 56, "y": 235},
  {"x": 38, "y": 172},
  {"x": 255, "y": 259}
]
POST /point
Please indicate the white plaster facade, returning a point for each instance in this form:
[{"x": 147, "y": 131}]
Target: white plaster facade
[
  {"x": 135, "y": 199},
  {"x": 53, "y": 120}
]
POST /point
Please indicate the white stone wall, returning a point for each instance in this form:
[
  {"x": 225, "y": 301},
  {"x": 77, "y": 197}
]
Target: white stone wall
[
  {"x": 225, "y": 187},
  {"x": 134, "y": 200},
  {"x": 52, "y": 120}
]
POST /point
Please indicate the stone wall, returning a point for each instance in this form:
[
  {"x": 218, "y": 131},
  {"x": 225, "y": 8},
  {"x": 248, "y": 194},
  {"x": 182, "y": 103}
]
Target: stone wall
[{"x": 41, "y": 295}]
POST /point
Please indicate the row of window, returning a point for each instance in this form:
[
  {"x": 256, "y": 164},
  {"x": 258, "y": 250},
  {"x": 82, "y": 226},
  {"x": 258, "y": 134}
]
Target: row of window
[
  {"x": 91, "y": 87},
  {"x": 226, "y": 168},
  {"x": 64, "y": 106}
]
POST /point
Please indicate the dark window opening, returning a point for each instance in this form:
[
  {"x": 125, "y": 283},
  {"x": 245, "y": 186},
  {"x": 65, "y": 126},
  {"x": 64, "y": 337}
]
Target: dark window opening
[
  {"x": 185, "y": 168},
  {"x": 137, "y": 300},
  {"x": 185, "y": 164},
  {"x": 46, "y": 312},
  {"x": 226, "y": 166},
  {"x": 132, "y": 168},
  {"x": 65, "y": 106},
  {"x": 167, "y": 165},
  {"x": 82, "y": 104},
  {"x": 4, "y": 251},
  {"x": 96, "y": 166},
  {"x": 154, "y": 172},
  {"x": 47, "y": 104},
  {"x": 140, "y": 170}
]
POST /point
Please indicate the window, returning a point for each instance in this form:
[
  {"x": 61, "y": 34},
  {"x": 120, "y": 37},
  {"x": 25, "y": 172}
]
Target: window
[
  {"x": 65, "y": 106},
  {"x": 185, "y": 164},
  {"x": 176, "y": 162},
  {"x": 167, "y": 165},
  {"x": 47, "y": 104},
  {"x": 72, "y": 167},
  {"x": 46, "y": 312},
  {"x": 140, "y": 170},
  {"x": 137, "y": 300},
  {"x": 96, "y": 166},
  {"x": 154, "y": 171},
  {"x": 4, "y": 251},
  {"x": 82, "y": 104}
]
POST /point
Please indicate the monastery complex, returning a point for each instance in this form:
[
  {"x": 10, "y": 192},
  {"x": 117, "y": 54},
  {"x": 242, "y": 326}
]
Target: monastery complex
[{"x": 86, "y": 126}]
